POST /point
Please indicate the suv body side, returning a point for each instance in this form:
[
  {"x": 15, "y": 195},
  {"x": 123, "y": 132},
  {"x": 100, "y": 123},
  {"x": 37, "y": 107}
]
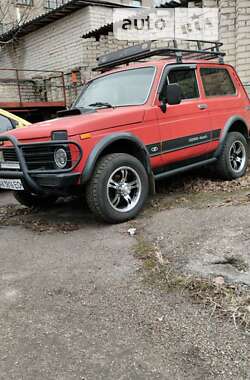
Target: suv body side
[
  {"x": 225, "y": 110},
  {"x": 195, "y": 127},
  {"x": 191, "y": 130},
  {"x": 185, "y": 130}
]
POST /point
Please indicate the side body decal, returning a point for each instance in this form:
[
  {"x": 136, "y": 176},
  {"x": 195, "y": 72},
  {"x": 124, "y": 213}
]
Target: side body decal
[{"x": 182, "y": 142}]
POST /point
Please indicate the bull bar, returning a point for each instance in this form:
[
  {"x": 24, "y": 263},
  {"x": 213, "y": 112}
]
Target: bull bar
[{"x": 36, "y": 181}]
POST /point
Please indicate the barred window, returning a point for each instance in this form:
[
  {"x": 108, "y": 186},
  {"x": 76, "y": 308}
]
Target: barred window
[
  {"x": 5, "y": 27},
  {"x": 53, "y": 4}
]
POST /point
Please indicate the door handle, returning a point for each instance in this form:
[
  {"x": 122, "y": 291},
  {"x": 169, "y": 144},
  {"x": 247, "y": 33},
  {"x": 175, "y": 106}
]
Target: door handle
[{"x": 203, "y": 106}]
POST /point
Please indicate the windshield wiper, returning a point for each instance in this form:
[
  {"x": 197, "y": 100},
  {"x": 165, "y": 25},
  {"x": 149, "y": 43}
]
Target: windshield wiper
[
  {"x": 101, "y": 104},
  {"x": 74, "y": 111}
]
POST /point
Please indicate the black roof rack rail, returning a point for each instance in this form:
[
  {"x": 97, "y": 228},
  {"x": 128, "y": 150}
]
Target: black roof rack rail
[{"x": 206, "y": 50}]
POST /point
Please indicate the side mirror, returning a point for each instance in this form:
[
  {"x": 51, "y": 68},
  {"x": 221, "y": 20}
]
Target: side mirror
[
  {"x": 14, "y": 123},
  {"x": 173, "y": 94},
  {"x": 170, "y": 94}
]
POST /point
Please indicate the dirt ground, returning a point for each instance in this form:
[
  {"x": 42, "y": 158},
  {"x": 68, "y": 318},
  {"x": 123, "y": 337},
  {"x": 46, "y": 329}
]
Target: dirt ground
[{"x": 84, "y": 300}]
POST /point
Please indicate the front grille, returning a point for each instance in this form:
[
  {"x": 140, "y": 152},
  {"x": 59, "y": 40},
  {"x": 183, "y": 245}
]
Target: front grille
[
  {"x": 9, "y": 154},
  {"x": 37, "y": 158}
]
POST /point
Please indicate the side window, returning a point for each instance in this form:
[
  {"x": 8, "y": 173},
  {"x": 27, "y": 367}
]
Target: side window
[
  {"x": 5, "y": 124},
  {"x": 187, "y": 81},
  {"x": 217, "y": 82}
]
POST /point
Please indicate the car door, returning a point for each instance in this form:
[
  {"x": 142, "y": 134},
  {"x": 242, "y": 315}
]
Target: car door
[
  {"x": 5, "y": 124},
  {"x": 185, "y": 127}
]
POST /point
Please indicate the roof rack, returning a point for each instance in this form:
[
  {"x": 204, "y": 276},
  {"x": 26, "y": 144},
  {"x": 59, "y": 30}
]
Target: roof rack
[{"x": 207, "y": 50}]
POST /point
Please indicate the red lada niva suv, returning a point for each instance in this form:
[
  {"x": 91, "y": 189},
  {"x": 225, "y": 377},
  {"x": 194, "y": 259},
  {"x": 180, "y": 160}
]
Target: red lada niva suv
[{"x": 130, "y": 126}]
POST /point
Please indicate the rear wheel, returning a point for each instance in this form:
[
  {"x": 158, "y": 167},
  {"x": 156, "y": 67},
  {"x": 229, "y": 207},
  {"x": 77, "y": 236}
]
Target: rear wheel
[
  {"x": 232, "y": 163},
  {"x": 118, "y": 188},
  {"x": 31, "y": 200}
]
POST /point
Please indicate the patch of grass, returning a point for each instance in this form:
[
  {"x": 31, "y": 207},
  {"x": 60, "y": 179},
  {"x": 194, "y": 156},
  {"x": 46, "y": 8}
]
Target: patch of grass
[
  {"x": 227, "y": 300},
  {"x": 144, "y": 251}
]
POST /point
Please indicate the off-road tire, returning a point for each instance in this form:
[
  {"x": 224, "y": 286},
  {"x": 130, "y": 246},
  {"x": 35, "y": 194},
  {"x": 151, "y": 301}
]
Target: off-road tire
[
  {"x": 223, "y": 166},
  {"x": 97, "y": 187},
  {"x": 34, "y": 201}
]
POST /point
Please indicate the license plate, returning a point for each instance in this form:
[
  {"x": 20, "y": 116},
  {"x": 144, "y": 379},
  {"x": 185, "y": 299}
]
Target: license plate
[
  {"x": 10, "y": 165},
  {"x": 11, "y": 184}
]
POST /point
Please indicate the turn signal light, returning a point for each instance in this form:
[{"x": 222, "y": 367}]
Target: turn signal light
[{"x": 85, "y": 136}]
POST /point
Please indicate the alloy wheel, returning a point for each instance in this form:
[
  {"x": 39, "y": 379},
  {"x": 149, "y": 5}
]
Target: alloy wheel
[
  {"x": 124, "y": 189},
  {"x": 237, "y": 155}
]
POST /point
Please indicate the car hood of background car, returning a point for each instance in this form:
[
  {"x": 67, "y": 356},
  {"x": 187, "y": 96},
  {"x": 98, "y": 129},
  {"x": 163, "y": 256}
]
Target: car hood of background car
[{"x": 87, "y": 122}]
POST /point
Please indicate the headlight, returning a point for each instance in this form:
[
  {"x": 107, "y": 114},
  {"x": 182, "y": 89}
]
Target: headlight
[{"x": 61, "y": 158}]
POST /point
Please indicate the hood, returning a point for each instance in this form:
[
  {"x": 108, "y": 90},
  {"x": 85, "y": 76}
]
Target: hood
[{"x": 87, "y": 122}]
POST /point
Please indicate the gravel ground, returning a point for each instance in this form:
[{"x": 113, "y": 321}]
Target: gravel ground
[
  {"x": 210, "y": 241},
  {"x": 74, "y": 305}
]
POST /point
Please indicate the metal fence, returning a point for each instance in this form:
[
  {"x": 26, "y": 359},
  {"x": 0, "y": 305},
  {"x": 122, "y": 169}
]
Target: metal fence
[{"x": 23, "y": 88}]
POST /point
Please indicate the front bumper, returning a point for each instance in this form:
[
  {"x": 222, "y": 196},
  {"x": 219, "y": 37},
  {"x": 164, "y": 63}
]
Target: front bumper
[{"x": 42, "y": 181}]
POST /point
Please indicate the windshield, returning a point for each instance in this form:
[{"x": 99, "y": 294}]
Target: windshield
[{"x": 130, "y": 87}]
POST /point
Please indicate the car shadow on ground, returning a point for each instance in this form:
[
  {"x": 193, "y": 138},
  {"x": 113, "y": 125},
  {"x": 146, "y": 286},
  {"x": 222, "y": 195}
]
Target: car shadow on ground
[{"x": 66, "y": 215}]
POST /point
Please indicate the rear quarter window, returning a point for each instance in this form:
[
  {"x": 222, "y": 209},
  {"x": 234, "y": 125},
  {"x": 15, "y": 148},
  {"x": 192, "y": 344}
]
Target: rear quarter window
[{"x": 217, "y": 82}]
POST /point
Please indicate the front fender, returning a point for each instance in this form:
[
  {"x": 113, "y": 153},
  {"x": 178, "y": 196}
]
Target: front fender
[{"x": 107, "y": 141}]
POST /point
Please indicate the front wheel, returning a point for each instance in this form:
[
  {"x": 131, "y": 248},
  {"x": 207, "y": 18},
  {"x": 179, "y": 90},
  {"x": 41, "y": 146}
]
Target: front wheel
[
  {"x": 118, "y": 188},
  {"x": 232, "y": 163},
  {"x": 30, "y": 200}
]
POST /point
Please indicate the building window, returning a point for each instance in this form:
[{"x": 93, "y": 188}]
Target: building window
[
  {"x": 136, "y": 3},
  {"x": 5, "y": 27},
  {"x": 53, "y": 4},
  {"x": 2, "y": 28},
  {"x": 24, "y": 2}
]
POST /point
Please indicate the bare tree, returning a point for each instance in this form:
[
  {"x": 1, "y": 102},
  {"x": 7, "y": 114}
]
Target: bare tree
[{"x": 13, "y": 15}]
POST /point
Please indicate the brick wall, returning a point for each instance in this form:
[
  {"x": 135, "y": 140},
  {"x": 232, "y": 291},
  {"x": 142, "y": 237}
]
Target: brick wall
[
  {"x": 13, "y": 13},
  {"x": 227, "y": 29},
  {"x": 243, "y": 39},
  {"x": 59, "y": 46},
  {"x": 234, "y": 32}
]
